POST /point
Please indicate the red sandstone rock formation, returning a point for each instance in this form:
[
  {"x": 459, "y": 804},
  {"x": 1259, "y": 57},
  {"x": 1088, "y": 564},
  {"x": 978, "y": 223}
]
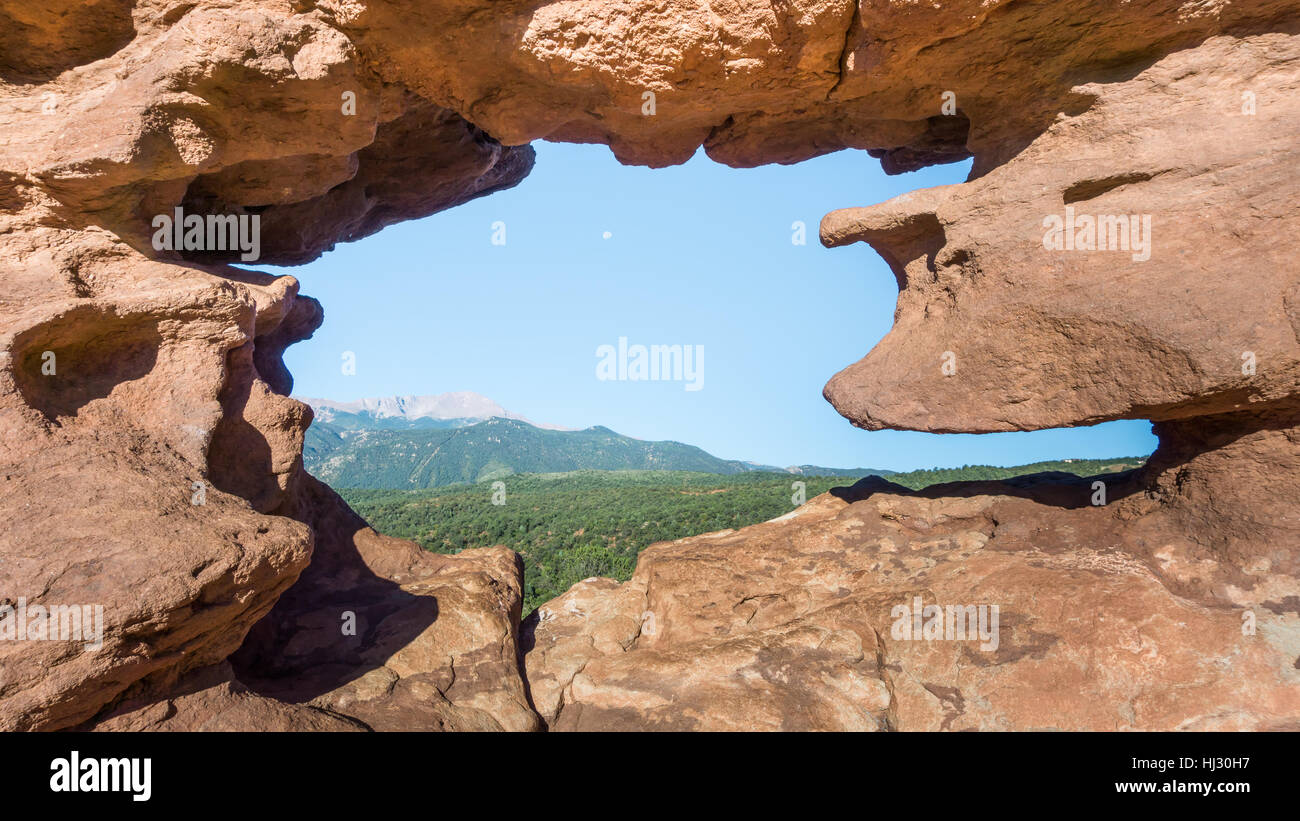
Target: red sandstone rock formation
[
  {"x": 150, "y": 458},
  {"x": 791, "y": 625}
]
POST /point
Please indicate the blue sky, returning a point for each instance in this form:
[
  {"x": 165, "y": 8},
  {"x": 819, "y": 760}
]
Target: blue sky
[{"x": 698, "y": 254}]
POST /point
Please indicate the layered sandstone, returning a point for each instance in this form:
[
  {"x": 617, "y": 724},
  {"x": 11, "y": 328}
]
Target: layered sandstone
[
  {"x": 150, "y": 458},
  {"x": 791, "y": 625},
  {"x": 150, "y": 455}
]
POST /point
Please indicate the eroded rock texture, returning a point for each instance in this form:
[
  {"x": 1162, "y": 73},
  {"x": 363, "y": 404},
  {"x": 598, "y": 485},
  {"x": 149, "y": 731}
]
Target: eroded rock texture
[
  {"x": 790, "y": 625},
  {"x": 150, "y": 458}
]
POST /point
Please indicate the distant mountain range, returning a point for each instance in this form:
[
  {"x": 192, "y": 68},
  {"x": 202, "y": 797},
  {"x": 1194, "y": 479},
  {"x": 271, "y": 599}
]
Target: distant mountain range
[
  {"x": 398, "y": 412},
  {"x": 430, "y": 441}
]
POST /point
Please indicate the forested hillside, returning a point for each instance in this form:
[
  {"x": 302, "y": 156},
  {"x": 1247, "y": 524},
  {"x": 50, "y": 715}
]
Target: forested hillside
[
  {"x": 434, "y": 454},
  {"x": 571, "y": 526}
]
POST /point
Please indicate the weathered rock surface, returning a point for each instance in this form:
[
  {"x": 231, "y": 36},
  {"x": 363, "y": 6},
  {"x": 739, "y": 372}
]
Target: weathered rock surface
[
  {"x": 1041, "y": 337},
  {"x": 134, "y": 385},
  {"x": 150, "y": 458},
  {"x": 213, "y": 700},
  {"x": 756, "y": 83},
  {"x": 102, "y": 463},
  {"x": 433, "y": 639},
  {"x": 790, "y": 625}
]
